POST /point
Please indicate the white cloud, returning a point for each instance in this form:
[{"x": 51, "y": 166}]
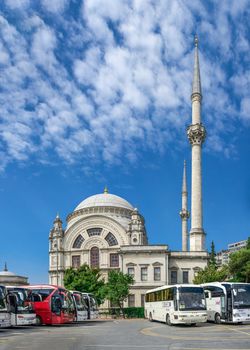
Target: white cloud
[
  {"x": 117, "y": 78},
  {"x": 17, "y": 4},
  {"x": 55, "y": 6}
]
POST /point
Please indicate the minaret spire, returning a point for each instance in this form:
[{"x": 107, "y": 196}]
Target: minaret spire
[
  {"x": 184, "y": 213},
  {"x": 196, "y": 134},
  {"x": 5, "y": 267},
  {"x": 184, "y": 179},
  {"x": 196, "y": 87}
]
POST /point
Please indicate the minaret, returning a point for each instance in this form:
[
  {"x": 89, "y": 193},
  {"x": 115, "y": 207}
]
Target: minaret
[
  {"x": 56, "y": 252},
  {"x": 184, "y": 213},
  {"x": 196, "y": 134}
]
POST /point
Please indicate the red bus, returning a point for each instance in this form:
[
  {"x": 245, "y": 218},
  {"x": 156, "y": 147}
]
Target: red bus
[{"x": 52, "y": 304}]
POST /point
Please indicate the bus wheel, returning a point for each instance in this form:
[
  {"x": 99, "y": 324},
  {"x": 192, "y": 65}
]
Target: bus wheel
[
  {"x": 38, "y": 321},
  {"x": 193, "y": 324},
  {"x": 150, "y": 317},
  {"x": 217, "y": 318},
  {"x": 168, "y": 322}
]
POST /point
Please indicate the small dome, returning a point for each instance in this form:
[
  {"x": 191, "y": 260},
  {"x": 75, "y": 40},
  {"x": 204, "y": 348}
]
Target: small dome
[
  {"x": 7, "y": 273},
  {"x": 104, "y": 200}
]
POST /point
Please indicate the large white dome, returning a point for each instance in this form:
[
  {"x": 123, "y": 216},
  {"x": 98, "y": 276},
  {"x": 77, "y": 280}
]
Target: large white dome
[{"x": 104, "y": 200}]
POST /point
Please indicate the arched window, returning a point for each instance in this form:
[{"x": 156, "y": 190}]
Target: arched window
[
  {"x": 110, "y": 238},
  {"x": 94, "y": 257},
  {"x": 96, "y": 231},
  {"x": 78, "y": 241}
]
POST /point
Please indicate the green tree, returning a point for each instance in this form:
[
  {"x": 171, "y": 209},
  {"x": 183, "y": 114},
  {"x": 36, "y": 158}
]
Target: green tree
[
  {"x": 117, "y": 288},
  {"x": 86, "y": 279},
  {"x": 248, "y": 243},
  {"x": 239, "y": 264},
  {"x": 212, "y": 259},
  {"x": 211, "y": 274}
]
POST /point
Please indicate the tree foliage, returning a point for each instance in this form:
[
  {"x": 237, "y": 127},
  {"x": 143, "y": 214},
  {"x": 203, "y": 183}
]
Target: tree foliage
[
  {"x": 211, "y": 274},
  {"x": 239, "y": 264},
  {"x": 117, "y": 287},
  {"x": 212, "y": 258},
  {"x": 86, "y": 279}
]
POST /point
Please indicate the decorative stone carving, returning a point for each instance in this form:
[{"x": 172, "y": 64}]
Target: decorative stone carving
[
  {"x": 98, "y": 242},
  {"x": 196, "y": 134},
  {"x": 184, "y": 214}
]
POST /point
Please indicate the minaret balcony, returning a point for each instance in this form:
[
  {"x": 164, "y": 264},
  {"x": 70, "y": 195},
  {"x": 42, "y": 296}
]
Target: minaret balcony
[
  {"x": 184, "y": 214},
  {"x": 196, "y": 134}
]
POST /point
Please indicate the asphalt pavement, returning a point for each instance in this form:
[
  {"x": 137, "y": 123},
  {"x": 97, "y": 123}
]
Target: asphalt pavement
[{"x": 126, "y": 334}]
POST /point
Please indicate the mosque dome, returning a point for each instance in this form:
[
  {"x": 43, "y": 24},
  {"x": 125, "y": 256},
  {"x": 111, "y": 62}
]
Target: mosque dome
[
  {"x": 7, "y": 273},
  {"x": 11, "y": 278},
  {"x": 104, "y": 200}
]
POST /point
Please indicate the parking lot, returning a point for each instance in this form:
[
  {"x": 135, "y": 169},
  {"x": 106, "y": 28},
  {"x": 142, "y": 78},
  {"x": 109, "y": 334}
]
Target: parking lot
[{"x": 126, "y": 334}]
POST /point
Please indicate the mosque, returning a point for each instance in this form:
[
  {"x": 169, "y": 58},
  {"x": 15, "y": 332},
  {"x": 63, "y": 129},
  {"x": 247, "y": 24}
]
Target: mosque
[{"x": 108, "y": 232}]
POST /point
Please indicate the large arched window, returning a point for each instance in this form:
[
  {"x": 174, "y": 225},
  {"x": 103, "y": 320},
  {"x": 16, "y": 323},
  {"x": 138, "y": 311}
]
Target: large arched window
[
  {"x": 110, "y": 238},
  {"x": 94, "y": 257},
  {"x": 78, "y": 241}
]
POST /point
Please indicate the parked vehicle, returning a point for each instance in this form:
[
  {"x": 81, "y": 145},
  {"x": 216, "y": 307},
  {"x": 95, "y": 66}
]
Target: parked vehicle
[
  {"x": 52, "y": 304},
  {"x": 20, "y": 306},
  {"x": 180, "y": 303},
  {"x": 4, "y": 312},
  {"x": 91, "y": 303},
  {"x": 81, "y": 308},
  {"x": 227, "y": 301}
]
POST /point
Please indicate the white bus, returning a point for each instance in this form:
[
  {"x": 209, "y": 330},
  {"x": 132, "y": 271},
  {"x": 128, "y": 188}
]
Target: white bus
[
  {"x": 4, "y": 312},
  {"x": 227, "y": 301},
  {"x": 21, "y": 309},
  {"x": 81, "y": 307},
  {"x": 92, "y": 305},
  {"x": 182, "y": 303}
]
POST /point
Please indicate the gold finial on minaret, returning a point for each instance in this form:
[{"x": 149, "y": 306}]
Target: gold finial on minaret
[{"x": 106, "y": 190}]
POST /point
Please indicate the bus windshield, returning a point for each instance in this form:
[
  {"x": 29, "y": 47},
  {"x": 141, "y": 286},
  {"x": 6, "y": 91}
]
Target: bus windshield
[
  {"x": 241, "y": 296},
  {"x": 23, "y": 303},
  {"x": 191, "y": 298},
  {"x": 80, "y": 302},
  {"x": 3, "y": 306},
  {"x": 41, "y": 294},
  {"x": 67, "y": 301}
]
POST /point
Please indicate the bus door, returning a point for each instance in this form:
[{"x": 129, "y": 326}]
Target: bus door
[
  {"x": 228, "y": 303},
  {"x": 12, "y": 304},
  {"x": 56, "y": 308},
  {"x": 229, "y": 308},
  {"x": 87, "y": 301}
]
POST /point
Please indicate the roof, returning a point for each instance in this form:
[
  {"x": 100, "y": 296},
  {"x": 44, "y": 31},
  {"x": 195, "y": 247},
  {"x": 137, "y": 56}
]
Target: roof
[
  {"x": 104, "y": 200},
  {"x": 7, "y": 273}
]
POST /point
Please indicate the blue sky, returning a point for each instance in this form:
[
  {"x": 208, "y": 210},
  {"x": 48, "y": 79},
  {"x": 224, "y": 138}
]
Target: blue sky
[{"x": 96, "y": 93}]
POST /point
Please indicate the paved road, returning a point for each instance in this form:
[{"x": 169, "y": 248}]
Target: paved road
[{"x": 126, "y": 334}]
